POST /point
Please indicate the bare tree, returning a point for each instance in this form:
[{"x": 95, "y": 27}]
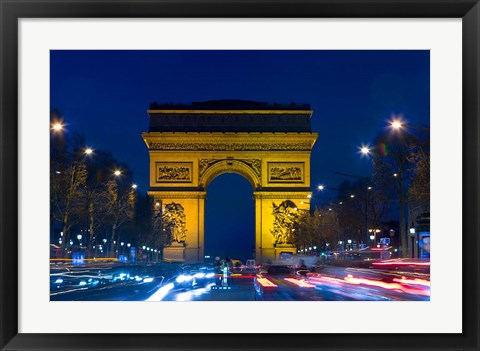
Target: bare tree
[
  {"x": 67, "y": 195},
  {"x": 420, "y": 186},
  {"x": 394, "y": 169},
  {"x": 120, "y": 208}
]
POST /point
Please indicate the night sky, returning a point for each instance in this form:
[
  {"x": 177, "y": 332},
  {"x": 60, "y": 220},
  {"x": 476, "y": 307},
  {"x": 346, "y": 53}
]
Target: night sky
[{"x": 104, "y": 95}]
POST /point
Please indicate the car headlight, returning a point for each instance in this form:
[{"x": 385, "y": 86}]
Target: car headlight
[{"x": 183, "y": 278}]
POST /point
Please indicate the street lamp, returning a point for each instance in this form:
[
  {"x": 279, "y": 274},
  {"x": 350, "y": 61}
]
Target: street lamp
[
  {"x": 365, "y": 150},
  {"x": 88, "y": 151},
  {"x": 412, "y": 235},
  {"x": 396, "y": 124},
  {"x": 57, "y": 127},
  {"x": 117, "y": 173},
  {"x": 134, "y": 186},
  {"x": 367, "y": 188}
]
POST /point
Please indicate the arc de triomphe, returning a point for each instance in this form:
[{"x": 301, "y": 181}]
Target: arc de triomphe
[{"x": 189, "y": 145}]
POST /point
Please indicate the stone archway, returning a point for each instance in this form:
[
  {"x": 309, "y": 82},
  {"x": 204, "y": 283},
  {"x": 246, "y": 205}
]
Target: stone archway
[
  {"x": 191, "y": 145},
  {"x": 248, "y": 168}
]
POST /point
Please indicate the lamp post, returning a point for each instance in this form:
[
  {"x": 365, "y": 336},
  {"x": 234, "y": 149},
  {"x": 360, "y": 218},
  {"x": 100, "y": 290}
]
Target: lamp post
[
  {"x": 365, "y": 151},
  {"x": 412, "y": 236},
  {"x": 398, "y": 124}
]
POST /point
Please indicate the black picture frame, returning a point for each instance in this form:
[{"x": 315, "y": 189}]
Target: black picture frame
[{"x": 11, "y": 11}]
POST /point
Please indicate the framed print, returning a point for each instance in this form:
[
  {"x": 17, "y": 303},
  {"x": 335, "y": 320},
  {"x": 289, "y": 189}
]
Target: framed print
[{"x": 239, "y": 175}]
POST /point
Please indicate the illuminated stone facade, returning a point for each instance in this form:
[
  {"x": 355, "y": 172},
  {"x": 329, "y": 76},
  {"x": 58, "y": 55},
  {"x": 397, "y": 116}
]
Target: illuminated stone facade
[{"x": 191, "y": 145}]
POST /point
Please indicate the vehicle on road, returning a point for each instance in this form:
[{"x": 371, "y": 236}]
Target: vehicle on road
[
  {"x": 190, "y": 277},
  {"x": 250, "y": 265}
]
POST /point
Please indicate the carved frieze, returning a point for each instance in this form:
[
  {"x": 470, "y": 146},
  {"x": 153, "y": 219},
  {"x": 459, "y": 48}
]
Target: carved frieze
[
  {"x": 174, "y": 222},
  {"x": 285, "y": 215},
  {"x": 203, "y": 164},
  {"x": 286, "y": 172},
  {"x": 223, "y": 146},
  {"x": 173, "y": 172},
  {"x": 254, "y": 164}
]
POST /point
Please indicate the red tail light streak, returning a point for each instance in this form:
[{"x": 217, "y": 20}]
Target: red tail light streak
[{"x": 403, "y": 263}]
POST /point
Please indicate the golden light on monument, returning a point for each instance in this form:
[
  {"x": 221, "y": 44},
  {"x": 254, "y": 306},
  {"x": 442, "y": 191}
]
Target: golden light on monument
[{"x": 268, "y": 144}]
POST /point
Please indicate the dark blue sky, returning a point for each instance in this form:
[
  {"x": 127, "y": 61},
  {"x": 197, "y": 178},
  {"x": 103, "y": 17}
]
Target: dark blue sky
[{"x": 105, "y": 94}]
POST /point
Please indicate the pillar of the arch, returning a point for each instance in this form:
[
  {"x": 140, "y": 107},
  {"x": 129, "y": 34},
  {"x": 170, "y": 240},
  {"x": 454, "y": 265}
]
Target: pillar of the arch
[
  {"x": 265, "y": 248},
  {"x": 193, "y": 204}
]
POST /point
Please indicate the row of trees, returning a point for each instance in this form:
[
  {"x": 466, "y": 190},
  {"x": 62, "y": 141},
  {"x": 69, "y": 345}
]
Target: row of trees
[
  {"x": 88, "y": 192},
  {"x": 93, "y": 194},
  {"x": 400, "y": 180}
]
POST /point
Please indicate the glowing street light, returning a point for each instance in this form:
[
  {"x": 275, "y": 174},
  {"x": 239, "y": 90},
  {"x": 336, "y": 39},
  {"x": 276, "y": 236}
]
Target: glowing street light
[
  {"x": 365, "y": 150},
  {"x": 88, "y": 151},
  {"x": 79, "y": 236},
  {"x": 57, "y": 127},
  {"x": 352, "y": 196},
  {"x": 134, "y": 186},
  {"x": 117, "y": 173},
  {"x": 396, "y": 124},
  {"x": 321, "y": 187}
]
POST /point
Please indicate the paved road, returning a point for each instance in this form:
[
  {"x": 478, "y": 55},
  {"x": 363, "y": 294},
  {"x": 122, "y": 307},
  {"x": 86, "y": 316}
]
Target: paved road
[{"x": 158, "y": 283}]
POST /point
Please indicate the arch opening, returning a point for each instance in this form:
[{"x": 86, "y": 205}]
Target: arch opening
[
  {"x": 229, "y": 218},
  {"x": 240, "y": 167}
]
